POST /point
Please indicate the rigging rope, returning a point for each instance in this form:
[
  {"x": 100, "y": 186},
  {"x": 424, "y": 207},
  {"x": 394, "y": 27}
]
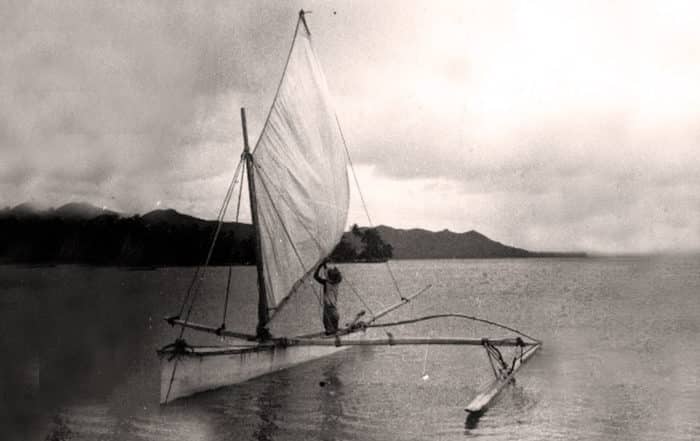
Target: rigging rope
[
  {"x": 220, "y": 219},
  {"x": 187, "y": 293},
  {"x": 195, "y": 276},
  {"x": 449, "y": 315},
  {"x": 503, "y": 370},
  {"x": 289, "y": 238},
  {"x": 265, "y": 177},
  {"x": 360, "y": 297},
  {"x": 290, "y": 207},
  {"x": 279, "y": 85},
  {"x": 279, "y": 216},
  {"x": 230, "y": 268},
  {"x": 228, "y": 291},
  {"x": 364, "y": 204},
  {"x": 240, "y": 194}
]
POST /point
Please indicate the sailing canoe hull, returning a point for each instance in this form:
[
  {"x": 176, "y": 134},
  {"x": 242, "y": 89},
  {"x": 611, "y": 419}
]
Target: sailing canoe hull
[{"x": 211, "y": 368}]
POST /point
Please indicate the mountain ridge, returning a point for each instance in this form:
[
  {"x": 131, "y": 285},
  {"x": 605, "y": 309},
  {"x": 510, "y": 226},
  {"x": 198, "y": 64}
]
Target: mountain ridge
[{"x": 135, "y": 238}]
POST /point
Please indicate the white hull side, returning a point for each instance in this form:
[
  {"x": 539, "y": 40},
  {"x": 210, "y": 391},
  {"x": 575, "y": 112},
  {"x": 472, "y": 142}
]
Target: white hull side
[{"x": 197, "y": 373}]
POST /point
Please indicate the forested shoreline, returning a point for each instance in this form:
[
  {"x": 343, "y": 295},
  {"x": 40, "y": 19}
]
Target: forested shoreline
[{"x": 166, "y": 238}]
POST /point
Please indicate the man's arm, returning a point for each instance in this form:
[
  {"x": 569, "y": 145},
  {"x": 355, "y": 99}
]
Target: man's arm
[{"x": 317, "y": 276}]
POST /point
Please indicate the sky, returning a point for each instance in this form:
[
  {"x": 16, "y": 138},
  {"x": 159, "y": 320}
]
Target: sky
[{"x": 545, "y": 125}]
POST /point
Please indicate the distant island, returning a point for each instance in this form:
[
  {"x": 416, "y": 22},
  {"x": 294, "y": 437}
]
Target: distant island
[
  {"x": 84, "y": 234},
  {"x": 423, "y": 244}
]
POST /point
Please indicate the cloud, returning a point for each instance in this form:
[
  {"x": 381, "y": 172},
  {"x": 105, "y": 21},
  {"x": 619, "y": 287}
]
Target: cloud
[
  {"x": 579, "y": 122},
  {"x": 115, "y": 101},
  {"x": 544, "y": 125}
]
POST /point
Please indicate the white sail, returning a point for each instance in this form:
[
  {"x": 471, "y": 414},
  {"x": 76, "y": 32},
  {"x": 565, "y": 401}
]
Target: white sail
[{"x": 301, "y": 181}]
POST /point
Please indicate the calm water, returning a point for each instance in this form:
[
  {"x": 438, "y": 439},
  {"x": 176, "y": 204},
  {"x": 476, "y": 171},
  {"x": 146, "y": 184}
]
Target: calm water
[{"x": 621, "y": 358}]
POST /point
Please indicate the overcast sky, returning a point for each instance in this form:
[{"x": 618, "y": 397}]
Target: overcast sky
[{"x": 544, "y": 125}]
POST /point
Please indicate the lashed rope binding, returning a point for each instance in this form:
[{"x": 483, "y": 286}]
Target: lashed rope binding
[{"x": 500, "y": 368}]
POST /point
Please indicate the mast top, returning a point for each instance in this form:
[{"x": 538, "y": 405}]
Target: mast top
[{"x": 303, "y": 20}]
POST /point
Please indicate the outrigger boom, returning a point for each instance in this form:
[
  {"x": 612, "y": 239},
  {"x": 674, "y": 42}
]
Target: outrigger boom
[
  {"x": 337, "y": 340},
  {"x": 512, "y": 342}
]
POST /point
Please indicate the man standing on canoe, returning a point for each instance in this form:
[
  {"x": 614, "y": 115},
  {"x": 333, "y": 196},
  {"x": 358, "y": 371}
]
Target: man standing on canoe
[{"x": 330, "y": 296}]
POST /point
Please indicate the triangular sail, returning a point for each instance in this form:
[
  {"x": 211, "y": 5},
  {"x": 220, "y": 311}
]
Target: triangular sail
[{"x": 302, "y": 191}]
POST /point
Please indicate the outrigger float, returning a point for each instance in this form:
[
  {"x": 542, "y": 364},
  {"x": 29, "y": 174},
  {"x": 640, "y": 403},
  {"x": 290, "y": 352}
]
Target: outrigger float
[{"x": 298, "y": 189}]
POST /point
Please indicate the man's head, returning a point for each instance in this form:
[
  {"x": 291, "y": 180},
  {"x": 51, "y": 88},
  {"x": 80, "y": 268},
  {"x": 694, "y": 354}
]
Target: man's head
[{"x": 334, "y": 275}]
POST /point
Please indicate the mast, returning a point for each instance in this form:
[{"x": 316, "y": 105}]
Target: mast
[{"x": 263, "y": 313}]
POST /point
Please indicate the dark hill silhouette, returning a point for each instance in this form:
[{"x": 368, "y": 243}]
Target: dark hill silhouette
[
  {"x": 24, "y": 209},
  {"x": 171, "y": 217},
  {"x": 82, "y": 233},
  {"x": 71, "y": 210},
  {"x": 424, "y": 244},
  {"x": 81, "y": 210}
]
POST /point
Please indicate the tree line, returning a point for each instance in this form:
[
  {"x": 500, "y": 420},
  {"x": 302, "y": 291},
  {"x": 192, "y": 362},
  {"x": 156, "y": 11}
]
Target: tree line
[
  {"x": 362, "y": 245},
  {"x": 133, "y": 241}
]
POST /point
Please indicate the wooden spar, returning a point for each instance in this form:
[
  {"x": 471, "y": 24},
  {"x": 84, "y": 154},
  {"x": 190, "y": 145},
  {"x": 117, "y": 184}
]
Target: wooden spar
[
  {"x": 488, "y": 393},
  {"x": 331, "y": 341},
  {"x": 303, "y": 20},
  {"x": 263, "y": 312},
  {"x": 210, "y": 329},
  {"x": 403, "y": 301},
  {"x": 337, "y": 341},
  {"x": 350, "y": 329}
]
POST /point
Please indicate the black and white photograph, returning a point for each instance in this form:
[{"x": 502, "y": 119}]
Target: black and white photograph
[{"x": 349, "y": 220}]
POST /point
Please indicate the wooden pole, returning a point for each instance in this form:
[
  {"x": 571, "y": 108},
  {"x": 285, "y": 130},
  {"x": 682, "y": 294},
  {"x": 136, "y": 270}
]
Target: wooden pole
[
  {"x": 418, "y": 341},
  {"x": 210, "y": 329},
  {"x": 350, "y": 328},
  {"x": 337, "y": 341},
  {"x": 263, "y": 312},
  {"x": 387, "y": 310}
]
